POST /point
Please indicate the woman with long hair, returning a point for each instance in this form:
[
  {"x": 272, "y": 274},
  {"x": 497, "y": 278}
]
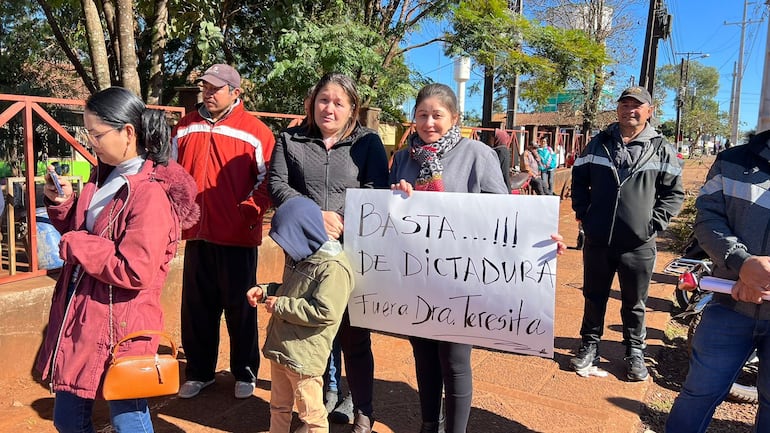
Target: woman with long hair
[
  {"x": 118, "y": 236},
  {"x": 439, "y": 159}
]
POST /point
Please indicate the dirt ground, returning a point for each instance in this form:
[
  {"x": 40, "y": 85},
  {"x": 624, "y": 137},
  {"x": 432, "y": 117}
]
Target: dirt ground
[
  {"x": 668, "y": 374},
  {"x": 671, "y": 363}
]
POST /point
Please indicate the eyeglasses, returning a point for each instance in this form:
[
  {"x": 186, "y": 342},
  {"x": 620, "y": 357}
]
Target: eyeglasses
[{"x": 94, "y": 137}]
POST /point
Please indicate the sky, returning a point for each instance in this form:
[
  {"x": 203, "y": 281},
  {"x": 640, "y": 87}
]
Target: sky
[{"x": 699, "y": 26}]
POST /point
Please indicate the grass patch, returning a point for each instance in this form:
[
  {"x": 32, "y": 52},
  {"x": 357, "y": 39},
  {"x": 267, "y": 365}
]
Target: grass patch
[{"x": 680, "y": 230}]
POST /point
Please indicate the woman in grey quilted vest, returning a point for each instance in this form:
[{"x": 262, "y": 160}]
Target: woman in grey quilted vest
[{"x": 320, "y": 159}]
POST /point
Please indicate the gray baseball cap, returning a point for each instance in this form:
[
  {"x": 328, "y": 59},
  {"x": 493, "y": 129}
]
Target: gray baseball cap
[{"x": 220, "y": 75}]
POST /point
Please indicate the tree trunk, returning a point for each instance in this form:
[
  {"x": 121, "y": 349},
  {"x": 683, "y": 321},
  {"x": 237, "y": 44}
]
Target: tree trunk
[
  {"x": 591, "y": 105},
  {"x": 159, "y": 38},
  {"x": 108, "y": 6},
  {"x": 95, "y": 36},
  {"x": 129, "y": 75},
  {"x": 81, "y": 70}
]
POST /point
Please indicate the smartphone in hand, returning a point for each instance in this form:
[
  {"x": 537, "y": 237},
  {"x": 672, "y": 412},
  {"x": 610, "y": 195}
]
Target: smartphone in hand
[{"x": 55, "y": 180}]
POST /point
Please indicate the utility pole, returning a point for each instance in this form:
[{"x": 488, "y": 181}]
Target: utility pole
[
  {"x": 513, "y": 92},
  {"x": 684, "y": 80},
  {"x": 679, "y": 103},
  {"x": 735, "y": 113},
  {"x": 658, "y": 27},
  {"x": 763, "y": 123},
  {"x": 732, "y": 100},
  {"x": 487, "y": 99}
]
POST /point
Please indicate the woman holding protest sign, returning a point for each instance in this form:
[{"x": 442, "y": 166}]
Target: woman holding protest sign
[
  {"x": 320, "y": 160},
  {"x": 438, "y": 158}
]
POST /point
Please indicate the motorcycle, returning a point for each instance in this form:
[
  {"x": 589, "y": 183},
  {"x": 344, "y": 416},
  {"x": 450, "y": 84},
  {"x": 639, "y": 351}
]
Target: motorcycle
[{"x": 693, "y": 292}]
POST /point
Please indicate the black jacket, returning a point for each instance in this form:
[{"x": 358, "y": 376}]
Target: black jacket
[
  {"x": 629, "y": 212},
  {"x": 301, "y": 165},
  {"x": 733, "y": 220}
]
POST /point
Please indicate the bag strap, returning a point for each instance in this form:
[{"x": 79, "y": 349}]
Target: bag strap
[{"x": 144, "y": 333}]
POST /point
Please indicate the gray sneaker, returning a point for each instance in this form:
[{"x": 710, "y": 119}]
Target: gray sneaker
[
  {"x": 587, "y": 356},
  {"x": 244, "y": 389},
  {"x": 331, "y": 398},
  {"x": 636, "y": 371},
  {"x": 343, "y": 413},
  {"x": 191, "y": 388}
]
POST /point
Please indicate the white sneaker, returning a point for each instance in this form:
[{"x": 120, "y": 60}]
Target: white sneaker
[
  {"x": 191, "y": 388},
  {"x": 244, "y": 389}
]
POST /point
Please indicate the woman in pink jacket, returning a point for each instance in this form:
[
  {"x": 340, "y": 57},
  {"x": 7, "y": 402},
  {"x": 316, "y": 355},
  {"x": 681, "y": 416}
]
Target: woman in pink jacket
[{"x": 118, "y": 236}]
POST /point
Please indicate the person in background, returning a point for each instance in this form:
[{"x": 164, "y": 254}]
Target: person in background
[
  {"x": 306, "y": 312},
  {"x": 626, "y": 186},
  {"x": 320, "y": 160},
  {"x": 730, "y": 225},
  {"x": 439, "y": 159},
  {"x": 118, "y": 236},
  {"x": 559, "y": 155},
  {"x": 502, "y": 148},
  {"x": 227, "y": 151},
  {"x": 547, "y": 166},
  {"x": 532, "y": 164}
]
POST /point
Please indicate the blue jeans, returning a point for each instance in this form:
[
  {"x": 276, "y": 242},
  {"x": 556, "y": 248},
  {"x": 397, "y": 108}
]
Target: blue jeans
[
  {"x": 722, "y": 343},
  {"x": 333, "y": 374},
  {"x": 72, "y": 414},
  {"x": 546, "y": 176}
]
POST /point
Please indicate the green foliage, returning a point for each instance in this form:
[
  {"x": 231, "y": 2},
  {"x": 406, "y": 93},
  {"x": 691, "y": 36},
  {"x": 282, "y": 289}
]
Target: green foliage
[
  {"x": 548, "y": 58},
  {"x": 697, "y": 85},
  {"x": 305, "y": 55},
  {"x": 668, "y": 129},
  {"x": 25, "y": 42},
  {"x": 334, "y": 44}
]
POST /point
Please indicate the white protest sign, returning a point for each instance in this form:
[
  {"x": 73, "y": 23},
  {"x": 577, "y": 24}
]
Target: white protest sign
[{"x": 468, "y": 268}]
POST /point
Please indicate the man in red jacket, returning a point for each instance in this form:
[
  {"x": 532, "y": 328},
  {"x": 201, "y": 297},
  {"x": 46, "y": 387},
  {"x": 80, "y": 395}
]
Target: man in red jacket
[{"x": 227, "y": 152}]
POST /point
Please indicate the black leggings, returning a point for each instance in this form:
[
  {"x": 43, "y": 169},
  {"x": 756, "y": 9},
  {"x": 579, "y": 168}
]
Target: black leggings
[
  {"x": 356, "y": 347},
  {"x": 454, "y": 376}
]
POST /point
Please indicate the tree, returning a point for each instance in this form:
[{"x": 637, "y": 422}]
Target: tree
[
  {"x": 700, "y": 112},
  {"x": 159, "y": 44},
  {"x": 605, "y": 22},
  {"x": 96, "y": 45},
  {"x": 508, "y": 44},
  {"x": 113, "y": 51},
  {"x": 22, "y": 41},
  {"x": 363, "y": 39},
  {"x": 129, "y": 75}
]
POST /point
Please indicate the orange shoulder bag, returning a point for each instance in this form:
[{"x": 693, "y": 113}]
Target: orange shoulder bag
[{"x": 131, "y": 377}]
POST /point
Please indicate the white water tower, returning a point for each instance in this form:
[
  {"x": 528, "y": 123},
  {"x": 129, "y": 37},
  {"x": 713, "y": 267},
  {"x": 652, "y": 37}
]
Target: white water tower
[{"x": 462, "y": 74}]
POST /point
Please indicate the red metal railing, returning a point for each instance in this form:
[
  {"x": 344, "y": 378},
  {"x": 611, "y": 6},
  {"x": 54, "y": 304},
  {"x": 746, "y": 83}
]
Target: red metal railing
[{"x": 28, "y": 107}]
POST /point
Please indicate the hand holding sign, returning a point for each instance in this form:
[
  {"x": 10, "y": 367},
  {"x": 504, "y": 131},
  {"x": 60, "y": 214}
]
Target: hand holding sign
[{"x": 469, "y": 268}]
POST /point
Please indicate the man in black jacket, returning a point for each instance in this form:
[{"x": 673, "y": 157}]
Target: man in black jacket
[{"x": 626, "y": 186}]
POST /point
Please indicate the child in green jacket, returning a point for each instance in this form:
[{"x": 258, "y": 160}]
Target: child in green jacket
[{"x": 306, "y": 312}]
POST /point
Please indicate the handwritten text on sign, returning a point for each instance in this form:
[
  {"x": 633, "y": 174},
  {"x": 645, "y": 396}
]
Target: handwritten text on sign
[{"x": 469, "y": 268}]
